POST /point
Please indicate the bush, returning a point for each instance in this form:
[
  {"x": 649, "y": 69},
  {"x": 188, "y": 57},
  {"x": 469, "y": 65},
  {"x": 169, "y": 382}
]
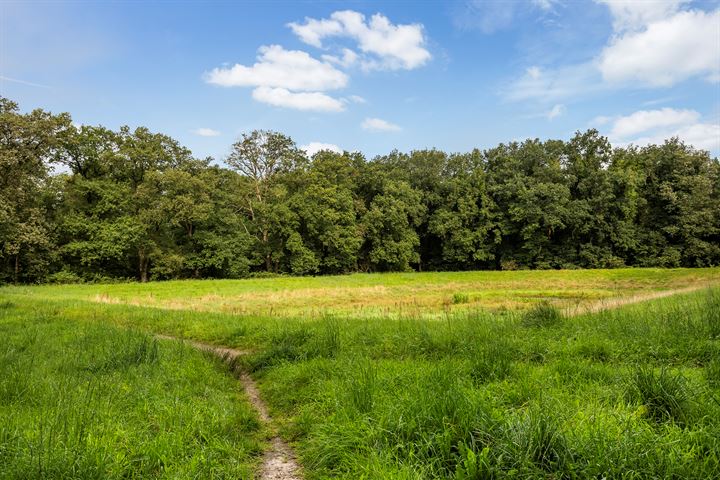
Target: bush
[{"x": 63, "y": 277}]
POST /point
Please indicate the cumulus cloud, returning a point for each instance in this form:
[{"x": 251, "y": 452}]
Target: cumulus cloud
[
  {"x": 379, "y": 125},
  {"x": 206, "y": 132},
  {"x": 667, "y": 51},
  {"x": 282, "y": 97},
  {"x": 295, "y": 79},
  {"x": 313, "y": 147},
  {"x": 277, "y": 67},
  {"x": 348, "y": 58},
  {"x": 636, "y": 14},
  {"x": 386, "y": 45},
  {"x": 655, "y": 126},
  {"x": 285, "y": 78},
  {"x": 654, "y": 43},
  {"x": 645, "y": 120}
]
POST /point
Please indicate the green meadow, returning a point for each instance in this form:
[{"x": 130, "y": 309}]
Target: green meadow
[{"x": 472, "y": 375}]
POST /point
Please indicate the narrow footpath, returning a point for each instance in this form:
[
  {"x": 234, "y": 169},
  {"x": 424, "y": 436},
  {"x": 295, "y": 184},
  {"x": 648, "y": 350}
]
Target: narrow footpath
[{"x": 279, "y": 461}]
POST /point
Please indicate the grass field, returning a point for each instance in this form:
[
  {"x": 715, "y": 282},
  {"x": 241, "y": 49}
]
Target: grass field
[
  {"x": 396, "y": 294},
  {"x": 463, "y": 375}
]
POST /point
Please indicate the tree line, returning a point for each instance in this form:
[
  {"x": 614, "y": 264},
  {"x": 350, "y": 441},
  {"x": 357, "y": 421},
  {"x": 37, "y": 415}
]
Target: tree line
[{"x": 133, "y": 204}]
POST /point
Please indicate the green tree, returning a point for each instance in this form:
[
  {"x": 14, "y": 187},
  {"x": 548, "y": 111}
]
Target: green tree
[
  {"x": 389, "y": 224},
  {"x": 259, "y": 156}
]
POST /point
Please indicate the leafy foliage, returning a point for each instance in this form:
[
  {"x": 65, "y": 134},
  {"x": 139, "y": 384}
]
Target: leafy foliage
[{"x": 137, "y": 204}]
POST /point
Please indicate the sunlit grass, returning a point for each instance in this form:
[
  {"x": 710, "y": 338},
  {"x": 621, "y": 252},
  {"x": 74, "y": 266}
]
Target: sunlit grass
[
  {"x": 381, "y": 295},
  {"x": 89, "y": 400},
  {"x": 467, "y": 392}
]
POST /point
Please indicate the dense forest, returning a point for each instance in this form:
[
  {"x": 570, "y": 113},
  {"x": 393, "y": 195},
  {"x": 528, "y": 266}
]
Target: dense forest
[{"x": 132, "y": 204}]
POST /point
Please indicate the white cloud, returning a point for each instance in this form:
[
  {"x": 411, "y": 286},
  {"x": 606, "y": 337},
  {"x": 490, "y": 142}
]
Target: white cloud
[
  {"x": 705, "y": 136},
  {"x": 655, "y": 126},
  {"x": 533, "y": 72},
  {"x": 544, "y": 4},
  {"x": 668, "y": 51},
  {"x": 282, "y": 97},
  {"x": 277, "y": 67},
  {"x": 393, "y": 46},
  {"x": 655, "y": 44},
  {"x": 22, "y": 82},
  {"x": 554, "y": 84},
  {"x": 206, "y": 132},
  {"x": 379, "y": 125},
  {"x": 636, "y": 14},
  {"x": 357, "y": 99},
  {"x": 599, "y": 121},
  {"x": 286, "y": 78},
  {"x": 313, "y": 147},
  {"x": 644, "y": 120},
  {"x": 555, "y": 111},
  {"x": 494, "y": 15},
  {"x": 348, "y": 59}
]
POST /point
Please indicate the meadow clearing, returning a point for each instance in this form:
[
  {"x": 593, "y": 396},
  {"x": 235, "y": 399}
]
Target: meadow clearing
[{"x": 528, "y": 374}]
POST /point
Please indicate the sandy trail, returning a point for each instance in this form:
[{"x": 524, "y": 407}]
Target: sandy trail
[
  {"x": 621, "y": 302},
  {"x": 279, "y": 461}
]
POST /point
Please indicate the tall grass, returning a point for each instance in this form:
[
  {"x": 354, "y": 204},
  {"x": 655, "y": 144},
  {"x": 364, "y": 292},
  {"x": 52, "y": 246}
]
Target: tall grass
[
  {"x": 90, "y": 401},
  {"x": 469, "y": 394}
]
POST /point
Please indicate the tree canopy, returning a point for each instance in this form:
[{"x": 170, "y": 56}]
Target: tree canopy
[{"x": 88, "y": 203}]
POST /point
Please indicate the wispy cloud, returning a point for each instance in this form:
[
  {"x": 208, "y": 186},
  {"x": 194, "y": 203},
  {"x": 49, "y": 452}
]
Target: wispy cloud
[
  {"x": 645, "y": 127},
  {"x": 206, "y": 132},
  {"x": 313, "y": 147},
  {"x": 379, "y": 125},
  {"x": 3, "y": 78}
]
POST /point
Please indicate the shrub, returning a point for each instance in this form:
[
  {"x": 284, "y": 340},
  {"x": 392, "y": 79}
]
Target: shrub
[{"x": 63, "y": 277}]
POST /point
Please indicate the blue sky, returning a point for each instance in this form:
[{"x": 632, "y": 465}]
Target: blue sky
[{"x": 372, "y": 76}]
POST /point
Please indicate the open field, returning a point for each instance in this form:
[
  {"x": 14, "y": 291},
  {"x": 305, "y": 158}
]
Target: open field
[
  {"x": 395, "y": 294},
  {"x": 465, "y": 376}
]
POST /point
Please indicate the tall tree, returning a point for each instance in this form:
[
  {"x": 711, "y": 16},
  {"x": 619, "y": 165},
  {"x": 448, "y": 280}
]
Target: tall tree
[{"x": 260, "y": 156}]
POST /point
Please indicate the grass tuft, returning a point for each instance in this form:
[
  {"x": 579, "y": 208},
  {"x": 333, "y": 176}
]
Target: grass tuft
[
  {"x": 536, "y": 438},
  {"x": 664, "y": 395},
  {"x": 542, "y": 315},
  {"x": 459, "y": 298}
]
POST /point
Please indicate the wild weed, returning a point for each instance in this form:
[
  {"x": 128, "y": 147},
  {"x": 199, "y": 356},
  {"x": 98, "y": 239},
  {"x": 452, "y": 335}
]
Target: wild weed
[{"x": 361, "y": 386}]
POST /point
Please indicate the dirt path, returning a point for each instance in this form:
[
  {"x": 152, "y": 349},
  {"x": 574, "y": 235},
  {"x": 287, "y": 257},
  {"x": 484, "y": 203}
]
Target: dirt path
[
  {"x": 279, "y": 461},
  {"x": 621, "y": 302}
]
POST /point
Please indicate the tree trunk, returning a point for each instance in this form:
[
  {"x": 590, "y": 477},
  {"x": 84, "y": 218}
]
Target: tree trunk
[
  {"x": 17, "y": 268},
  {"x": 143, "y": 265}
]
